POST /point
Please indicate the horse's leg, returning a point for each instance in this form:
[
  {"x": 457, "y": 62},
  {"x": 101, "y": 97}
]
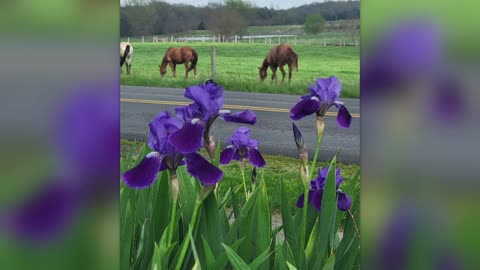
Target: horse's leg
[
  {"x": 186, "y": 70},
  {"x": 283, "y": 73},
  {"x": 172, "y": 66},
  {"x": 274, "y": 73},
  {"x": 289, "y": 73},
  {"x": 129, "y": 67}
]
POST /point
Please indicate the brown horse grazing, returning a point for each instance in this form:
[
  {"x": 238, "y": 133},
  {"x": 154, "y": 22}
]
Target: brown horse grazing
[
  {"x": 175, "y": 56},
  {"x": 278, "y": 57}
]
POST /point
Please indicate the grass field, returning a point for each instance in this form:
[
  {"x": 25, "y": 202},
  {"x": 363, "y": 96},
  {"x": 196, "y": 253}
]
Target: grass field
[{"x": 237, "y": 67}]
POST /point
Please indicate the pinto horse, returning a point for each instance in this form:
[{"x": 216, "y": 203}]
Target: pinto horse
[
  {"x": 278, "y": 57},
  {"x": 174, "y": 56},
  {"x": 126, "y": 55}
]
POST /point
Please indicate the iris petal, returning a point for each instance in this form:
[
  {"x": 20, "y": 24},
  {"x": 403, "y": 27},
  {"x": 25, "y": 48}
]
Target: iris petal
[
  {"x": 344, "y": 118},
  {"x": 256, "y": 158},
  {"x": 203, "y": 170},
  {"x": 334, "y": 88},
  {"x": 45, "y": 215},
  {"x": 338, "y": 178},
  {"x": 145, "y": 173},
  {"x": 198, "y": 94},
  {"x": 304, "y": 108},
  {"x": 245, "y": 117},
  {"x": 226, "y": 155},
  {"x": 317, "y": 199},
  {"x": 188, "y": 139},
  {"x": 344, "y": 201},
  {"x": 163, "y": 165},
  {"x": 300, "y": 201},
  {"x": 236, "y": 156}
]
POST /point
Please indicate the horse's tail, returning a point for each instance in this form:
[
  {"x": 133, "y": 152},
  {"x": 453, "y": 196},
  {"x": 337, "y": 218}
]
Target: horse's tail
[
  {"x": 125, "y": 54},
  {"x": 194, "y": 60},
  {"x": 295, "y": 60}
]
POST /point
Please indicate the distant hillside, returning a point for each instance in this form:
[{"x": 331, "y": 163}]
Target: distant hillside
[{"x": 160, "y": 18}]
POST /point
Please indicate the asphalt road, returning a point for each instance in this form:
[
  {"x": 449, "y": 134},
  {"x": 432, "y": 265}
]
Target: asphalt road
[{"x": 273, "y": 129}]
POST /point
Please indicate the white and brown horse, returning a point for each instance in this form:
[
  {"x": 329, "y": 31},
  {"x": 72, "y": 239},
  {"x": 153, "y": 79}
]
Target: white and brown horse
[{"x": 126, "y": 56}]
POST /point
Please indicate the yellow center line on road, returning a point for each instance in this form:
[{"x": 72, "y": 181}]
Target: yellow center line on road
[{"x": 226, "y": 106}]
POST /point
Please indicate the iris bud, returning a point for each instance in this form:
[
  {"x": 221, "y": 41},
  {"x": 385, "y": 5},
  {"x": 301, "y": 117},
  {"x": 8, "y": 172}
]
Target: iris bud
[{"x": 302, "y": 148}]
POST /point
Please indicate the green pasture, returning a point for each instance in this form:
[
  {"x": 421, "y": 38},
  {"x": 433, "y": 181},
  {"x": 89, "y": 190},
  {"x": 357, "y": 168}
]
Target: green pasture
[{"x": 237, "y": 67}]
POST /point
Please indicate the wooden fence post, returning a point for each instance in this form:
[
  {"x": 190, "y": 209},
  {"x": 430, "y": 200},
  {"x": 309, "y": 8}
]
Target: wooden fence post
[
  {"x": 143, "y": 39},
  {"x": 214, "y": 62},
  {"x": 128, "y": 39},
  {"x": 295, "y": 40},
  {"x": 235, "y": 39}
]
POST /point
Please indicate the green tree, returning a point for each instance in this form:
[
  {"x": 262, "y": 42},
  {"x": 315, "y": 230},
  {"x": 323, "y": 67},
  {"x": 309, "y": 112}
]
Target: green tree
[
  {"x": 314, "y": 23},
  {"x": 201, "y": 26}
]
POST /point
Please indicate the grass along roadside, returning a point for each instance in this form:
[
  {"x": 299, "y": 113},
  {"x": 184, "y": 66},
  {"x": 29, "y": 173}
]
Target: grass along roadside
[
  {"x": 278, "y": 169},
  {"x": 237, "y": 67}
]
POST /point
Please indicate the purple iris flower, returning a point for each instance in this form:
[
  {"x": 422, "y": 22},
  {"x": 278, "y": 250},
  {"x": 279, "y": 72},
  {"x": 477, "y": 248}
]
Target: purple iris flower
[
  {"x": 242, "y": 147},
  {"x": 168, "y": 143},
  {"x": 406, "y": 51},
  {"x": 200, "y": 115},
  {"x": 85, "y": 137},
  {"x": 316, "y": 191},
  {"x": 323, "y": 95}
]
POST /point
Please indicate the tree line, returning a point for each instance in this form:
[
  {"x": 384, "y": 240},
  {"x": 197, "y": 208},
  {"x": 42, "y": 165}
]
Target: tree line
[{"x": 150, "y": 17}]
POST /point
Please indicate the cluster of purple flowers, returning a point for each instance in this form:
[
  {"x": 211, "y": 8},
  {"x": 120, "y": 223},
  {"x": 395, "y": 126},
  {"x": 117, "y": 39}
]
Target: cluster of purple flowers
[
  {"x": 176, "y": 140},
  {"x": 323, "y": 95},
  {"x": 316, "y": 191}
]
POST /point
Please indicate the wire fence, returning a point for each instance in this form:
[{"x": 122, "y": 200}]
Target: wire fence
[{"x": 326, "y": 39}]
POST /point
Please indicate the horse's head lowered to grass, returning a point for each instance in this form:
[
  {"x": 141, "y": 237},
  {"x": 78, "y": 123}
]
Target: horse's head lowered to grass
[
  {"x": 262, "y": 71},
  {"x": 163, "y": 69}
]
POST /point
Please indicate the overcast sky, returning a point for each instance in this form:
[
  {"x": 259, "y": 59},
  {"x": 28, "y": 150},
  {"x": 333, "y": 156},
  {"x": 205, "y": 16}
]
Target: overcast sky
[{"x": 277, "y": 4}]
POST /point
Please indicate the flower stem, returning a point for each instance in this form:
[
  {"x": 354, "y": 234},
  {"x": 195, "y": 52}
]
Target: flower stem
[
  {"x": 242, "y": 170},
  {"x": 172, "y": 223},
  {"x": 320, "y": 131},
  {"x": 304, "y": 218},
  {"x": 191, "y": 227},
  {"x": 354, "y": 224},
  {"x": 174, "y": 194}
]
